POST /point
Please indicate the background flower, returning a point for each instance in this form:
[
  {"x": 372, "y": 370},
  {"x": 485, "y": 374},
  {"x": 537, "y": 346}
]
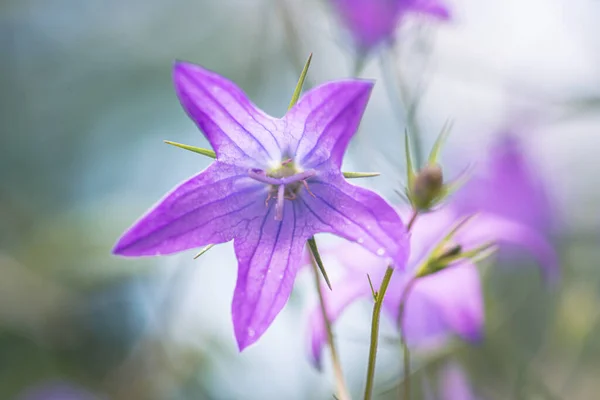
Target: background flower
[
  {"x": 444, "y": 303},
  {"x": 372, "y": 22},
  {"x": 507, "y": 183}
]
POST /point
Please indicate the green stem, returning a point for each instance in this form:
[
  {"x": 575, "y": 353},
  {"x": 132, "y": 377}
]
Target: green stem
[
  {"x": 400, "y": 98},
  {"x": 342, "y": 391},
  {"x": 375, "y": 322},
  {"x": 375, "y": 332},
  {"x": 406, "y": 352},
  {"x": 360, "y": 60}
]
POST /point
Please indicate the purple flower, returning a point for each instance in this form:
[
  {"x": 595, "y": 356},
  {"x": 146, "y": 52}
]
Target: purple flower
[
  {"x": 449, "y": 301},
  {"x": 275, "y": 183},
  {"x": 454, "y": 383},
  {"x": 510, "y": 187},
  {"x": 373, "y": 21}
]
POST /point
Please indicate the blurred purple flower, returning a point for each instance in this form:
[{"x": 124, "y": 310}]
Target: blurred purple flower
[
  {"x": 449, "y": 301},
  {"x": 373, "y": 21},
  {"x": 511, "y": 188},
  {"x": 56, "y": 391},
  {"x": 275, "y": 183},
  {"x": 454, "y": 384}
]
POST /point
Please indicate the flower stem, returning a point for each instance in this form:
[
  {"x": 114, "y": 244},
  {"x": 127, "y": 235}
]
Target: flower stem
[
  {"x": 375, "y": 332},
  {"x": 375, "y": 321},
  {"x": 406, "y": 352},
  {"x": 400, "y": 98},
  {"x": 342, "y": 391}
]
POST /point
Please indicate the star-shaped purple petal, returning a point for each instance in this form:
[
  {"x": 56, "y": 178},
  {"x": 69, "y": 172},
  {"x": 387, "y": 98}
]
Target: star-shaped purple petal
[{"x": 275, "y": 183}]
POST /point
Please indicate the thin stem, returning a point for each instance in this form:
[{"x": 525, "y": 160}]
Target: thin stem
[
  {"x": 375, "y": 321},
  {"x": 412, "y": 220},
  {"x": 406, "y": 355},
  {"x": 342, "y": 391},
  {"x": 359, "y": 64},
  {"x": 375, "y": 332},
  {"x": 400, "y": 98}
]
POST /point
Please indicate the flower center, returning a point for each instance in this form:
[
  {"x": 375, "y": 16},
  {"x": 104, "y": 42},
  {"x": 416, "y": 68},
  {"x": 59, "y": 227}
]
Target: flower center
[{"x": 285, "y": 182}]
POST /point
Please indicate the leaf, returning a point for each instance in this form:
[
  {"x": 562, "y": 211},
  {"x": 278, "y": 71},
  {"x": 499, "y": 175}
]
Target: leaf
[
  {"x": 312, "y": 244},
  {"x": 354, "y": 175},
  {"x": 300, "y": 83},
  {"x": 199, "y": 150}
]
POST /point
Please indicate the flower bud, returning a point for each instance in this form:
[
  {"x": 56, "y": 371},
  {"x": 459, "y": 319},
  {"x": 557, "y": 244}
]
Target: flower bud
[{"x": 427, "y": 186}]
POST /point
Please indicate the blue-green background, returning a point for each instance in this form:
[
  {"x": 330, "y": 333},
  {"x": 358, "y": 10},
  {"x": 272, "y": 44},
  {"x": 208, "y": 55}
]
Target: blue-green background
[{"x": 86, "y": 100}]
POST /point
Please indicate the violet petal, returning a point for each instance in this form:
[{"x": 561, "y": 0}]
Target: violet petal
[
  {"x": 456, "y": 294},
  {"x": 491, "y": 228},
  {"x": 433, "y": 8},
  {"x": 454, "y": 383},
  {"x": 210, "y": 208},
  {"x": 238, "y": 131},
  {"x": 336, "y": 301},
  {"x": 322, "y": 123},
  {"x": 358, "y": 215},
  {"x": 269, "y": 255}
]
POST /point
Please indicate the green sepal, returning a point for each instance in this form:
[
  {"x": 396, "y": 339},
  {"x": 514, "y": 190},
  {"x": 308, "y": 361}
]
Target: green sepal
[
  {"x": 199, "y": 150},
  {"x": 476, "y": 254},
  {"x": 312, "y": 245},
  {"x": 354, "y": 175},
  {"x": 451, "y": 187},
  {"x": 373, "y": 291},
  {"x": 204, "y": 250},
  {"x": 441, "y": 139},
  {"x": 300, "y": 83},
  {"x": 432, "y": 263},
  {"x": 442, "y": 255},
  {"x": 410, "y": 172}
]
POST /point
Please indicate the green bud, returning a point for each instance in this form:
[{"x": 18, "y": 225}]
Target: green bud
[
  {"x": 447, "y": 251},
  {"x": 427, "y": 187}
]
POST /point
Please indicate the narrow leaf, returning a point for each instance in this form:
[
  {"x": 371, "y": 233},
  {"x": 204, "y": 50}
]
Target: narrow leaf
[
  {"x": 352, "y": 175},
  {"x": 312, "y": 244},
  {"x": 199, "y": 150},
  {"x": 404, "y": 196},
  {"x": 481, "y": 252},
  {"x": 204, "y": 250},
  {"x": 300, "y": 83},
  {"x": 437, "y": 146},
  {"x": 410, "y": 172},
  {"x": 451, "y": 187},
  {"x": 440, "y": 246},
  {"x": 457, "y": 226},
  {"x": 373, "y": 292}
]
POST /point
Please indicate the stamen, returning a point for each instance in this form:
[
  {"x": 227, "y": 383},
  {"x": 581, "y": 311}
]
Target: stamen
[
  {"x": 283, "y": 190},
  {"x": 307, "y": 189},
  {"x": 261, "y": 176},
  {"x": 269, "y": 197},
  {"x": 279, "y": 205},
  {"x": 298, "y": 177}
]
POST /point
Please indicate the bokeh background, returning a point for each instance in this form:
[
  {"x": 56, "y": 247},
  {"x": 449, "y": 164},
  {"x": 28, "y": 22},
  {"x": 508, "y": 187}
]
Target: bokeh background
[{"x": 86, "y": 100}]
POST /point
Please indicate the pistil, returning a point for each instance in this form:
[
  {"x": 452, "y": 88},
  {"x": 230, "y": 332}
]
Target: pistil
[
  {"x": 286, "y": 187},
  {"x": 279, "y": 205}
]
